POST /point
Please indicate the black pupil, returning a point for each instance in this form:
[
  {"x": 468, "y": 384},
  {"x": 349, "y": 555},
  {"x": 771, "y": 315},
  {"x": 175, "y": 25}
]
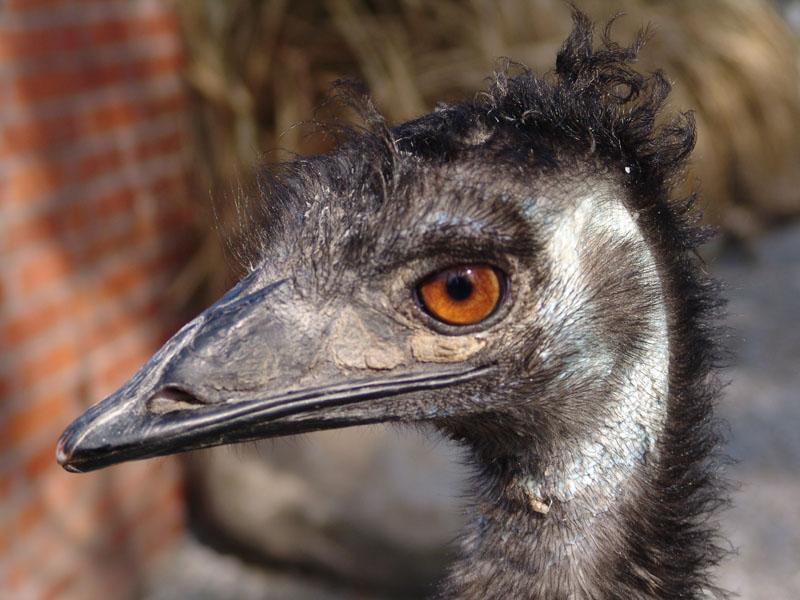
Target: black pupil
[{"x": 459, "y": 286}]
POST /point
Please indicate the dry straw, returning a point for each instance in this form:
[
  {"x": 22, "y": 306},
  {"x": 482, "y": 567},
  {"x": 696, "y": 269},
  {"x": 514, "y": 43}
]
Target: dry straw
[{"x": 257, "y": 68}]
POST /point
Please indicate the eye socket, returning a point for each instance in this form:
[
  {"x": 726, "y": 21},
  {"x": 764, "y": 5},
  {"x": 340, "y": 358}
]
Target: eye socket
[{"x": 462, "y": 294}]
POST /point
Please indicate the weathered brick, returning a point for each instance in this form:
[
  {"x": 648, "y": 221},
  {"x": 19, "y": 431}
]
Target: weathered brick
[
  {"x": 45, "y": 41},
  {"x": 38, "y": 134},
  {"x": 61, "y": 355},
  {"x": 41, "y": 461},
  {"x": 28, "y": 419},
  {"x": 165, "y": 145},
  {"x": 125, "y": 112},
  {"x": 87, "y": 248},
  {"x": 29, "y": 514},
  {"x": 35, "y": 87},
  {"x": 145, "y": 232},
  {"x": 41, "y": 134},
  {"x": 169, "y": 495},
  {"x": 16, "y": 577},
  {"x": 116, "y": 285},
  {"x": 36, "y": 228},
  {"x": 98, "y": 164},
  {"x": 123, "y": 366},
  {"x": 60, "y": 586},
  {"x": 92, "y": 166},
  {"x": 45, "y": 268},
  {"x": 36, "y": 321},
  {"x": 34, "y": 180},
  {"x": 59, "y": 492}
]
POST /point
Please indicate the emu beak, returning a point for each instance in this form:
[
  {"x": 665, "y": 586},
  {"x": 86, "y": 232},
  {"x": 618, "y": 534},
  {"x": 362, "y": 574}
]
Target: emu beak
[{"x": 251, "y": 366}]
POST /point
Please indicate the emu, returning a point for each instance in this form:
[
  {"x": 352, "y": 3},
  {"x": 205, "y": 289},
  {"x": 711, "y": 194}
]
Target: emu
[{"x": 516, "y": 270}]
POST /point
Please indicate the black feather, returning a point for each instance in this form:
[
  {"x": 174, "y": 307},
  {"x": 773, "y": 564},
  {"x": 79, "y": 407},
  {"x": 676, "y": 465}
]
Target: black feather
[{"x": 593, "y": 119}]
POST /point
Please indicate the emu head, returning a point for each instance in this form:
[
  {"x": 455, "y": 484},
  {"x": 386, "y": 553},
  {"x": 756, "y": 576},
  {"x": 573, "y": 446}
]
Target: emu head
[{"x": 492, "y": 267}]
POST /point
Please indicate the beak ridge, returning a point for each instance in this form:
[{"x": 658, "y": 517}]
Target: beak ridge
[{"x": 249, "y": 367}]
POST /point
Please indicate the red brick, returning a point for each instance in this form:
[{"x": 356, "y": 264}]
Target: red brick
[
  {"x": 117, "y": 115},
  {"x": 51, "y": 84},
  {"x": 37, "y": 228},
  {"x": 30, "y": 513},
  {"x": 92, "y": 166},
  {"x": 166, "y": 536},
  {"x": 46, "y": 268},
  {"x": 143, "y": 233},
  {"x": 123, "y": 491},
  {"x": 35, "y": 180},
  {"x": 34, "y": 5},
  {"x": 168, "y": 186},
  {"x": 35, "y": 322},
  {"x": 123, "y": 367},
  {"x": 75, "y": 518},
  {"x": 120, "y": 283},
  {"x": 33, "y": 417},
  {"x": 147, "y": 512},
  {"x": 30, "y": 42},
  {"x": 99, "y": 333},
  {"x": 37, "y": 134},
  {"x": 16, "y": 576},
  {"x": 43, "y": 226},
  {"x": 58, "y": 588},
  {"x": 42, "y": 461},
  {"x": 53, "y": 360},
  {"x": 124, "y": 200},
  {"x": 59, "y": 491},
  {"x": 168, "y": 144},
  {"x": 46, "y": 533},
  {"x": 134, "y": 29},
  {"x": 114, "y": 203},
  {"x": 5, "y": 488}
]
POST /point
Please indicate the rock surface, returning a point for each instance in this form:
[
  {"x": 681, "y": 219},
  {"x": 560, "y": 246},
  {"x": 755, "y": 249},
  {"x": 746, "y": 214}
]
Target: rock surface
[
  {"x": 762, "y": 406},
  {"x": 367, "y": 513}
]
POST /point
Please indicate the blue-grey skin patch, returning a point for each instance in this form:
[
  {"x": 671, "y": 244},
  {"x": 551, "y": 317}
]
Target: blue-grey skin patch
[
  {"x": 530, "y": 207},
  {"x": 446, "y": 220}
]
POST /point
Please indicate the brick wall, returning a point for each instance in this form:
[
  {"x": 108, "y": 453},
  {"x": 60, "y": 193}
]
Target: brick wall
[{"x": 93, "y": 207}]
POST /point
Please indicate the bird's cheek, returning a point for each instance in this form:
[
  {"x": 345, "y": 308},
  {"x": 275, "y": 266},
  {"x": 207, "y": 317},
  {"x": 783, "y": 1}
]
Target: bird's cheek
[
  {"x": 428, "y": 347},
  {"x": 353, "y": 345}
]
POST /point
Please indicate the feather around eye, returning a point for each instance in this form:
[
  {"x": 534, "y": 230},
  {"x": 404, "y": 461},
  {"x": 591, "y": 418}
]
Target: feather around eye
[{"x": 462, "y": 294}]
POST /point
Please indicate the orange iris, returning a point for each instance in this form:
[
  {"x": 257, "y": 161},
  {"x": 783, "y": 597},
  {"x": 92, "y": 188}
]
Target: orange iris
[{"x": 461, "y": 295}]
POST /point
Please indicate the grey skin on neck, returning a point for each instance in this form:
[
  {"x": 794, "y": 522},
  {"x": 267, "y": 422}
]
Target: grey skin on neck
[{"x": 551, "y": 519}]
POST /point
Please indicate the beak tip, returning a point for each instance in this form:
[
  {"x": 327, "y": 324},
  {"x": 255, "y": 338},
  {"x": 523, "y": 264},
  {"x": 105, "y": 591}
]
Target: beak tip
[{"x": 64, "y": 453}]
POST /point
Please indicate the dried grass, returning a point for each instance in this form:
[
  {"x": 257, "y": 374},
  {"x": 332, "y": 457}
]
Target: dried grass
[{"x": 259, "y": 67}]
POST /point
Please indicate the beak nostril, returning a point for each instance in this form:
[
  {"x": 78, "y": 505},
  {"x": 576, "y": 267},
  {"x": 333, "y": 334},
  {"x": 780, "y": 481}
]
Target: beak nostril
[{"x": 171, "y": 399}]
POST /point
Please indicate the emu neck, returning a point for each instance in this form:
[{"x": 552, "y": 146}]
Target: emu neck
[
  {"x": 561, "y": 528},
  {"x": 557, "y": 517}
]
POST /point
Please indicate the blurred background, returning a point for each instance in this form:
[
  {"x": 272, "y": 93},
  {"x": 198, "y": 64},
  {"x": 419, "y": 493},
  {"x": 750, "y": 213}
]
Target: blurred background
[{"x": 126, "y": 126}]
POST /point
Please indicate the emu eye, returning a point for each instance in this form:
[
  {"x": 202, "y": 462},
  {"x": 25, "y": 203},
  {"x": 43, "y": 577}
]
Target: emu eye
[{"x": 462, "y": 294}]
